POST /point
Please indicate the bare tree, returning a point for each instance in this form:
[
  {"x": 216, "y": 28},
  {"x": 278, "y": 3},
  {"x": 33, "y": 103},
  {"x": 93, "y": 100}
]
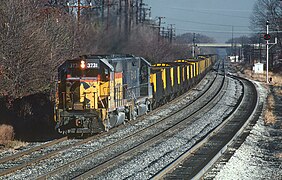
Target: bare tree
[
  {"x": 188, "y": 38},
  {"x": 33, "y": 44},
  {"x": 270, "y": 10},
  {"x": 144, "y": 41}
]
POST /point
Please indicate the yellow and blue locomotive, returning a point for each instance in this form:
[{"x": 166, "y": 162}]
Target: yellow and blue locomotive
[{"x": 95, "y": 93}]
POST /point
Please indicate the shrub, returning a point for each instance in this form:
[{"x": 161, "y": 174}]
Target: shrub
[{"x": 6, "y": 134}]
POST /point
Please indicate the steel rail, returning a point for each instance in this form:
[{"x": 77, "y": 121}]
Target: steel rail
[
  {"x": 29, "y": 151},
  {"x": 35, "y": 160}
]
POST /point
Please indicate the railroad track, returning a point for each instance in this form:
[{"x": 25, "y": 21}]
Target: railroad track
[
  {"x": 139, "y": 140},
  {"x": 11, "y": 163},
  {"x": 151, "y": 134},
  {"x": 34, "y": 155},
  {"x": 194, "y": 163}
]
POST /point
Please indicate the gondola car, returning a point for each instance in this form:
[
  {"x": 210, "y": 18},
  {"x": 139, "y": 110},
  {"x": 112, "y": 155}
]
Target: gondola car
[
  {"x": 96, "y": 93},
  {"x": 170, "y": 79}
]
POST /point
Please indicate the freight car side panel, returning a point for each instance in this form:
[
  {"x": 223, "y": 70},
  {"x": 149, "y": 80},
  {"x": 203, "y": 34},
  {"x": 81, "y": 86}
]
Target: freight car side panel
[
  {"x": 160, "y": 86},
  {"x": 164, "y": 78},
  {"x": 188, "y": 72},
  {"x": 175, "y": 84},
  {"x": 153, "y": 81},
  {"x": 192, "y": 70},
  {"x": 172, "y": 76},
  {"x": 178, "y": 75},
  {"x": 184, "y": 73},
  {"x": 168, "y": 82},
  {"x": 202, "y": 65}
]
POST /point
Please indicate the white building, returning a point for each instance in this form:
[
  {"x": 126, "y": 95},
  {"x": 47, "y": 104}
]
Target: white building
[{"x": 258, "y": 68}]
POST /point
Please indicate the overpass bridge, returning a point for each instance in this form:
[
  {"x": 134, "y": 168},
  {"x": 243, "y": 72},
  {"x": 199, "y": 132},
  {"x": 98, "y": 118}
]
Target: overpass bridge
[
  {"x": 227, "y": 45},
  {"x": 222, "y": 45},
  {"x": 217, "y": 45}
]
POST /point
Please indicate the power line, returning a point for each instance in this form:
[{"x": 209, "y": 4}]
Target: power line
[
  {"x": 210, "y": 13},
  {"x": 201, "y": 9},
  {"x": 214, "y": 31},
  {"x": 211, "y": 24}
]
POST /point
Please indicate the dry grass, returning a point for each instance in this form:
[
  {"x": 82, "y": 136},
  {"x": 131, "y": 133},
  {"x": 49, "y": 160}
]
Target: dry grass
[
  {"x": 269, "y": 117},
  {"x": 7, "y": 138},
  {"x": 279, "y": 155},
  {"x": 279, "y": 92},
  {"x": 15, "y": 144},
  {"x": 276, "y": 78}
]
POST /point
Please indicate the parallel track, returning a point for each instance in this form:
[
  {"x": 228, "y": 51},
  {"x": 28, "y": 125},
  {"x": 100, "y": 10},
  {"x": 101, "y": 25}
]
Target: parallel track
[
  {"x": 25, "y": 153},
  {"x": 31, "y": 160},
  {"x": 195, "y": 162}
]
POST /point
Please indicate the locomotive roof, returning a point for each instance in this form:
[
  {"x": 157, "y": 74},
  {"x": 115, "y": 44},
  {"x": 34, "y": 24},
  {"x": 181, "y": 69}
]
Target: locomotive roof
[{"x": 105, "y": 59}]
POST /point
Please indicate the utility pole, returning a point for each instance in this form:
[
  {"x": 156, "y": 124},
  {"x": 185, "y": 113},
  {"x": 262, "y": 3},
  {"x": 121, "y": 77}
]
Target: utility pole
[
  {"x": 120, "y": 16},
  {"x": 232, "y": 50},
  {"x": 108, "y": 14},
  {"x": 78, "y": 13},
  {"x": 126, "y": 24},
  {"x": 193, "y": 46},
  {"x": 267, "y": 50},
  {"x": 141, "y": 11},
  {"x": 137, "y": 11},
  {"x": 171, "y": 33},
  {"x": 79, "y": 6},
  {"x": 159, "y": 27}
]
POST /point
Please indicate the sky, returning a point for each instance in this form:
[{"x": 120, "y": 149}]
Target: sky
[{"x": 213, "y": 18}]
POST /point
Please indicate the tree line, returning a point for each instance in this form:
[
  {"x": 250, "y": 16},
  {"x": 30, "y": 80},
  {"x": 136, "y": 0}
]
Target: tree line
[{"x": 263, "y": 11}]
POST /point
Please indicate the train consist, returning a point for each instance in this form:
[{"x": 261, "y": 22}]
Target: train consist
[{"x": 95, "y": 93}]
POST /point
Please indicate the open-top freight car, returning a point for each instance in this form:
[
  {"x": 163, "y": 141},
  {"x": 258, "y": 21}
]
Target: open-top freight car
[{"x": 171, "y": 79}]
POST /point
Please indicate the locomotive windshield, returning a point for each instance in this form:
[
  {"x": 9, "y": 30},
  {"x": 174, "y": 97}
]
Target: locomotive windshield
[
  {"x": 83, "y": 69},
  {"x": 77, "y": 72},
  {"x": 87, "y": 69}
]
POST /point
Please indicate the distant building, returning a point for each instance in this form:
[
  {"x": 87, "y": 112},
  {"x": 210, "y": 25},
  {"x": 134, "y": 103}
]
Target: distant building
[
  {"x": 233, "y": 58},
  {"x": 258, "y": 68}
]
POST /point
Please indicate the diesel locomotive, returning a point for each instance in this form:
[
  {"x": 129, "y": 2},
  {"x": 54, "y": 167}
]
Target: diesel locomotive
[{"x": 97, "y": 92}]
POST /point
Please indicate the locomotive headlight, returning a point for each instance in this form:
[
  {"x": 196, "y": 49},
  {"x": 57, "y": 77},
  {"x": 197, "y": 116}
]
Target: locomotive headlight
[{"x": 82, "y": 64}]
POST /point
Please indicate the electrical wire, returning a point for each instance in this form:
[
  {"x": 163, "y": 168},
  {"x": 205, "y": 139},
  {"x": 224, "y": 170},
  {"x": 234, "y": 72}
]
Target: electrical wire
[
  {"x": 211, "y": 24},
  {"x": 217, "y": 31},
  {"x": 210, "y": 13}
]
